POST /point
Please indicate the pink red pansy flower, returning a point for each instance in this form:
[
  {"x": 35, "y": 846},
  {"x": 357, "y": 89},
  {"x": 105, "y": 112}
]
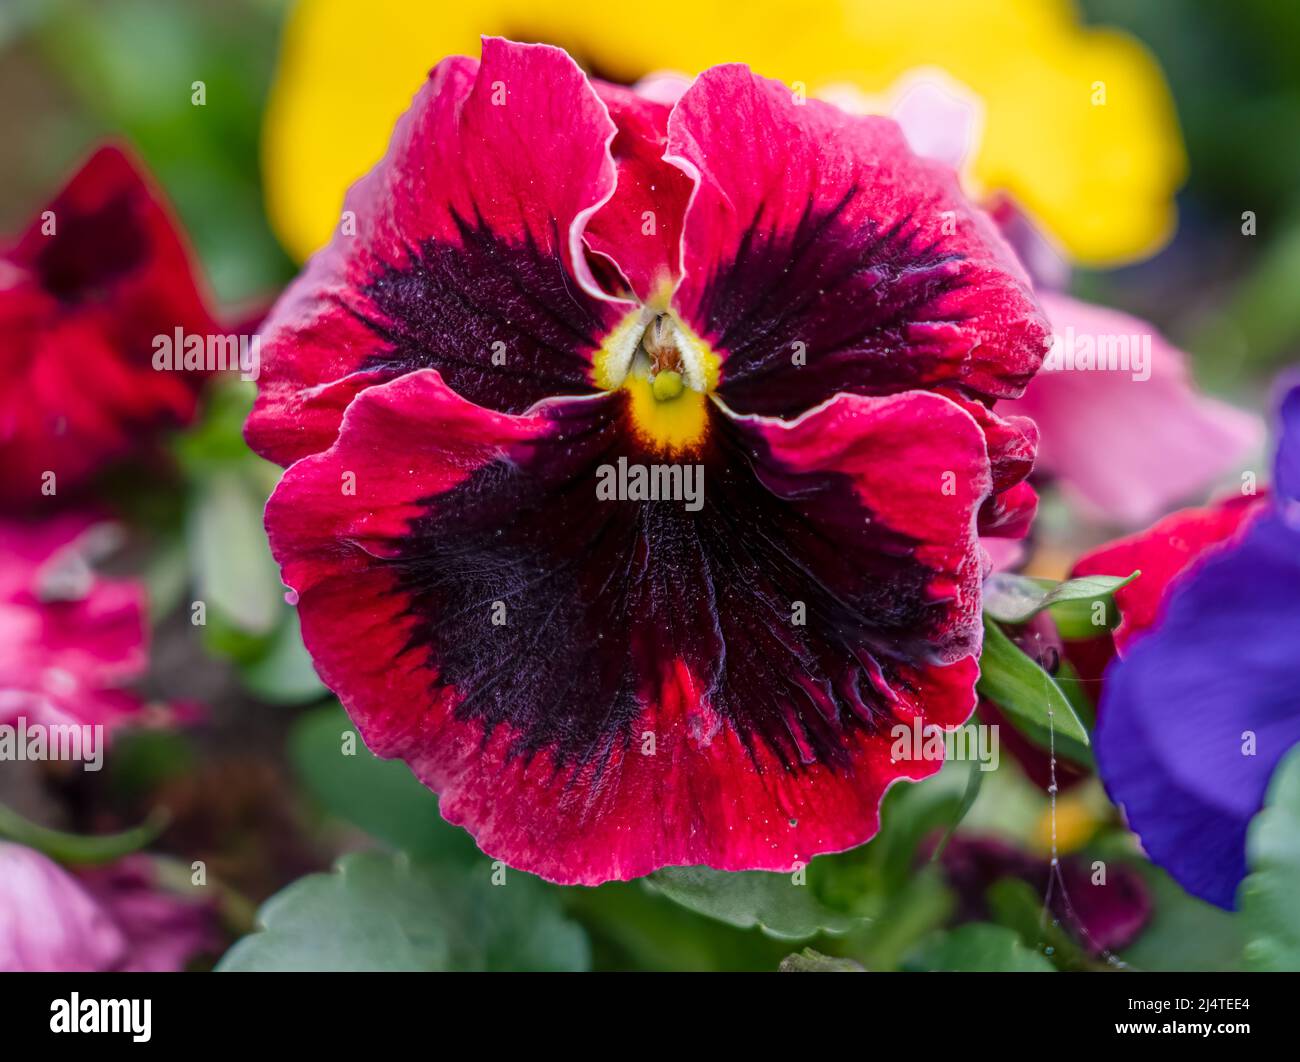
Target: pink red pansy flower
[
  {"x": 112, "y": 918},
  {"x": 550, "y": 283},
  {"x": 84, "y": 290},
  {"x": 71, "y": 640}
]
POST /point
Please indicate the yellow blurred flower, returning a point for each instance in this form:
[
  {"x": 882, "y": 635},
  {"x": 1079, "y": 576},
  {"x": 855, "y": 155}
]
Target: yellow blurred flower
[
  {"x": 1078, "y": 123},
  {"x": 1074, "y": 821}
]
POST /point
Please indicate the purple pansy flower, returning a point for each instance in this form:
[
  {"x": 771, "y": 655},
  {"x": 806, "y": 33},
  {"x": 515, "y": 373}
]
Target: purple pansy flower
[{"x": 1198, "y": 711}]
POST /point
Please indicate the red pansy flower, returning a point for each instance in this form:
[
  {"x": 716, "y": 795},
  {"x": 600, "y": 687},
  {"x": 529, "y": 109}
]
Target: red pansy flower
[
  {"x": 550, "y": 284},
  {"x": 97, "y": 275},
  {"x": 1102, "y": 915},
  {"x": 1163, "y": 553}
]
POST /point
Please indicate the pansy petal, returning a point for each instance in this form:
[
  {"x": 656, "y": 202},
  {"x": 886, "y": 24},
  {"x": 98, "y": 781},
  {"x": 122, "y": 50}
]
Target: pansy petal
[
  {"x": 1162, "y": 553},
  {"x": 85, "y": 291},
  {"x": 1004, "y": 555},
  {"x": 461, "y": 251},
  {"x": 164, "y": 930},
  {"x": 70, "y": 639},
  {"x": 664, "y": 86},
  {"x": 640, "y": 228},
  {"x": 1012, "y": 445},
  {"x": 941, "y": 118},
  {"x": 1046, "y": 264},
  {"x": 821, "y": 256},
  {"x": 1127, "y": 442},
  {"x": 1199, "y": 712},
  {"x": 600, "y": 687},
  {"x": 1286, "y": 469},
  {"x": 49, "y": 922}
]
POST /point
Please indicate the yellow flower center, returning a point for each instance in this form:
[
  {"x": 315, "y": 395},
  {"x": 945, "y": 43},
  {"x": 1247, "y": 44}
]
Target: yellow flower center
[{"x": 667, "y": 372}]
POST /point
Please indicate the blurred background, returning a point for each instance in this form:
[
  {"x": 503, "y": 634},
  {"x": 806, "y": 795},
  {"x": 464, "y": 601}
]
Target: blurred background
[{"x": 1147, "y": 209}]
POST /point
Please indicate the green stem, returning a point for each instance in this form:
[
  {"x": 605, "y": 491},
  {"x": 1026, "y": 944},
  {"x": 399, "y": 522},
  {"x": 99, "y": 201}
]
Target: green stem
[{"x": 78, "y": 848}]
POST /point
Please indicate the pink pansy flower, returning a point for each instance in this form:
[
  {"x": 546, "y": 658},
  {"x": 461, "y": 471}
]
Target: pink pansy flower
[
  {"x": 70, "y": 639},
  {"x": 113, "y": 918},
  {"x": 85, "y": 290},
  {"x": 552, "y": 286},
  {"x": 941, "y": 118},
  {"x": 1127, "y": 442}
]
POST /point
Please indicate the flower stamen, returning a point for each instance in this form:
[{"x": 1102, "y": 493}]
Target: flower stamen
[{"x": 660, "y": 343}]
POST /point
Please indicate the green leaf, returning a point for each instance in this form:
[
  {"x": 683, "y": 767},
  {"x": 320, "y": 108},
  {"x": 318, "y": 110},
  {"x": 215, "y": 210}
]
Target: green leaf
[
  {"x": 1018, "y": 906},
  {"x": 234, "y": 571},
  {"x": 980, "y": 948},
  {"x": 1030, "y": 697},
  {"x": 1079, "y": 694},
  {"x": 216, "y": 442},
  {"x": 385, "y": 912},
  {"x": 166, "y": 575},
  {"x": 1077, "y": 621},
  {"x": 381, "y": 797},
  {"x": 1014, "y": 599},
  {"x": 751, "y": 898},
  {"x": 910, "y": 915},
  {"x": 974, "y": 783},
  {"x": 633, "y": 927},
  {"x": 79, "y": 848},
  {"x": 1185, "y": 933},
  {"x": 810, "y": 961},
  {"x": 1269, "y": 894},
  {"x": 147, "y": 758},
  {"x": 285, "y": 674}
]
